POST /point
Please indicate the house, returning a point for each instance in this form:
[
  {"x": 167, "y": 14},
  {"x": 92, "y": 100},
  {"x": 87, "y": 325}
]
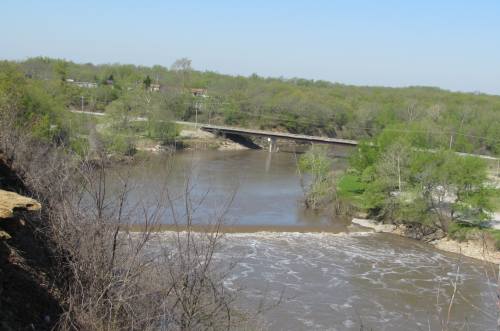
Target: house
[
  {"x": 154, "y": 87},
  {"x": 81, "y": 84},
  {"x": 199, "y": 92},
  {"x": 86, "y": 84}
]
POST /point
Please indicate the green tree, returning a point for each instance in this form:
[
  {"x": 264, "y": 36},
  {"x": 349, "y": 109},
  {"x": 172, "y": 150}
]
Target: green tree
[
  {"x": 321, "y": 188},
  {"x": 147, "y": 82},
  {"x": 61, "y": 69}
]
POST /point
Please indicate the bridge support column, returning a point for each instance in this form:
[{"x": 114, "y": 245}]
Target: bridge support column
[{"x": 272, "y": 144}]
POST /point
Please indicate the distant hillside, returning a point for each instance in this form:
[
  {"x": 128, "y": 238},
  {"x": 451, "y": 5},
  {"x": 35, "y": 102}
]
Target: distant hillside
[{"x": 436, "y": 118}]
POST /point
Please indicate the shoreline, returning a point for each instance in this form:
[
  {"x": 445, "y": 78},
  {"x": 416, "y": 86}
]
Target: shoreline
[{"x": 476, "y": 249}]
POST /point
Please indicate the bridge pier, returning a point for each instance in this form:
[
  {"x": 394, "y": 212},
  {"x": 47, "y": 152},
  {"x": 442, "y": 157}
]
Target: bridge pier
[{"x": 272, "y": 144}]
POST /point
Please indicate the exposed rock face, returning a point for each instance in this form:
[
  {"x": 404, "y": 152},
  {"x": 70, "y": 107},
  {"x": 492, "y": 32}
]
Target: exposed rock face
[
  {"x": 29, "y": 296},
  {"x": 10, "y": 202}
]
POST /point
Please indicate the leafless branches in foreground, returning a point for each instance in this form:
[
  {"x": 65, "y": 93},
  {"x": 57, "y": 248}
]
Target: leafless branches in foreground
[{"x": 110, "y": 278}]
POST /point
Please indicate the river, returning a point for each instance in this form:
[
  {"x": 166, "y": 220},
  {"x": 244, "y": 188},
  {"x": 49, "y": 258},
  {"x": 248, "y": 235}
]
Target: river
[{"x": 331, "y": 275}]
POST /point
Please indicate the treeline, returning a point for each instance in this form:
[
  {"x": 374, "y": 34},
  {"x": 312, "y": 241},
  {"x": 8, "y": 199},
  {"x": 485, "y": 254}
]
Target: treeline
[{"x": 434, "y": 118}]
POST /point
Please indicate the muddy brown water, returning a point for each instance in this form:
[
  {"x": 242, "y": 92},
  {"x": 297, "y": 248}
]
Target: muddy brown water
[{"x": 329, "y": 274}]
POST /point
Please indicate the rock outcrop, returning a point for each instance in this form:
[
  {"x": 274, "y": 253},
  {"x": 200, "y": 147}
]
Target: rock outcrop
[
  {"x": 29, "y": 300},
  {"x": 10, "y": 202}
]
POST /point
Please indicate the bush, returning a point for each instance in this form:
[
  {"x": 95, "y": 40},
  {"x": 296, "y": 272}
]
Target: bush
[
  {"x": 80, "y": 146},
  {"x": 464, "y": 231},
  {"x": 120, "y": 143},
  {"x": 164, "y": 131},
  {"x": 459, "y": 231},
  {"x": 350, "y": 185}
]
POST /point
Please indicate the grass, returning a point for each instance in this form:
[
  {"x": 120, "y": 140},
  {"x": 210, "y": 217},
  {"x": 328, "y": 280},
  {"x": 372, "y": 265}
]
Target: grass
[
  {"x": 350, "y": 185},
  {"x": 351, "y": 188},
  {"x": 495, "y": 203}
]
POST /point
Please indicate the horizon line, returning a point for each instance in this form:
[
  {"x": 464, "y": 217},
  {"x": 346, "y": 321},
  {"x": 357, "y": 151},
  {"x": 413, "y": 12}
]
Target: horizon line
[{"x": 282, "y": 78}]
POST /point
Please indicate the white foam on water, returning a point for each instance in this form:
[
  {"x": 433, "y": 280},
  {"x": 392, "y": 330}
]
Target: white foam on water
[
  {"x": 327, "y": 279},
  {"x": 332, "y": 277}
]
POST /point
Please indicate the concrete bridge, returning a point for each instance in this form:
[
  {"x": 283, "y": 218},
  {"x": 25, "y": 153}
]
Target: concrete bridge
[{"x": 272, "y": 135}]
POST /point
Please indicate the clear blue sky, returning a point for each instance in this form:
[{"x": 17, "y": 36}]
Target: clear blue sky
[{"x": 453, "y": 44}]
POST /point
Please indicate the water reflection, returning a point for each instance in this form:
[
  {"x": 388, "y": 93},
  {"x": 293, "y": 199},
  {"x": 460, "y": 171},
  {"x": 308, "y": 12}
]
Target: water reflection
[{"x": 267, "y": 185}]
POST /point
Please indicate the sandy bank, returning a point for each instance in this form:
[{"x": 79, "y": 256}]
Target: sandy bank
[
  {"x": 197, "y": 137},
  {"x": 477, "y": 249}
]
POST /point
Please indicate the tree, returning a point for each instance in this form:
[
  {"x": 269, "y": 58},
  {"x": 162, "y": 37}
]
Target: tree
[
  {"x": 182, "y": 64},
  {"x": 182, "y": 67},
  {"x": 407, "y": 184},
  {"x": 61, "y": 69},
  {"x": 147, "y": 82},
  {"x": 160, "y": 125},
  {"x": 317, "y": 163},
  {"x": 393, "y": 165}
]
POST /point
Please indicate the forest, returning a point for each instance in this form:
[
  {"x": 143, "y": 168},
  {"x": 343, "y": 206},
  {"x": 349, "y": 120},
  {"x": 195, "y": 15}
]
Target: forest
[{"x": 430, "y": 117}]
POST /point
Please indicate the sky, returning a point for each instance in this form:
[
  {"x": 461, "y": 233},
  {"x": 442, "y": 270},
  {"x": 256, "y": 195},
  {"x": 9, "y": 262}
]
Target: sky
[{"x": 451, "y": 44}]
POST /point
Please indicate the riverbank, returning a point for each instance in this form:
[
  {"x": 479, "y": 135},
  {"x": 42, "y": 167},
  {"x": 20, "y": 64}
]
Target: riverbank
[
  {"x": 191, "y": 138},
  {"x": 481, "y": 249}
]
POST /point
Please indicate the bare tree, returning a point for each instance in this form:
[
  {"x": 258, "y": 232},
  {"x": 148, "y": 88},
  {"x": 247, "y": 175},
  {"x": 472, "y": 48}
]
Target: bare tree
[
  {"x": 183, "y": 68},
  {"x": 111, "y": 278}
]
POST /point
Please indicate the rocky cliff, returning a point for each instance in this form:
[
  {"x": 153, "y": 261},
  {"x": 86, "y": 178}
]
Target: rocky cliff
[{"x": 29, "y": 299}]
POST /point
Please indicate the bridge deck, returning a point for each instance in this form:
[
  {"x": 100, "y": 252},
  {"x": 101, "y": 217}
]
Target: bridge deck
[{"x": 283, "y": 135}]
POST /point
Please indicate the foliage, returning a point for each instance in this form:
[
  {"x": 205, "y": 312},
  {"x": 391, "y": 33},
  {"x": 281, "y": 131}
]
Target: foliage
[
  {"x": 28, "y": 104},
  {"x": 160, "y": 127},
  {"x": 398, "y": 180},
  {"x": 120, "y": 143},
  {"x": 351, "y": 187},
  {"x": 425, "y": 117},
  {"x": 463, "y": 232},
  {"x": 317, "y": 163},
  {"x": 147, "y": 82}
]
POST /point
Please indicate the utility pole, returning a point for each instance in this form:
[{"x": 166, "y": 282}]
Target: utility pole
[
  {"x": 82, "y": 102},
  {"x": 196, "y": 115}
]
